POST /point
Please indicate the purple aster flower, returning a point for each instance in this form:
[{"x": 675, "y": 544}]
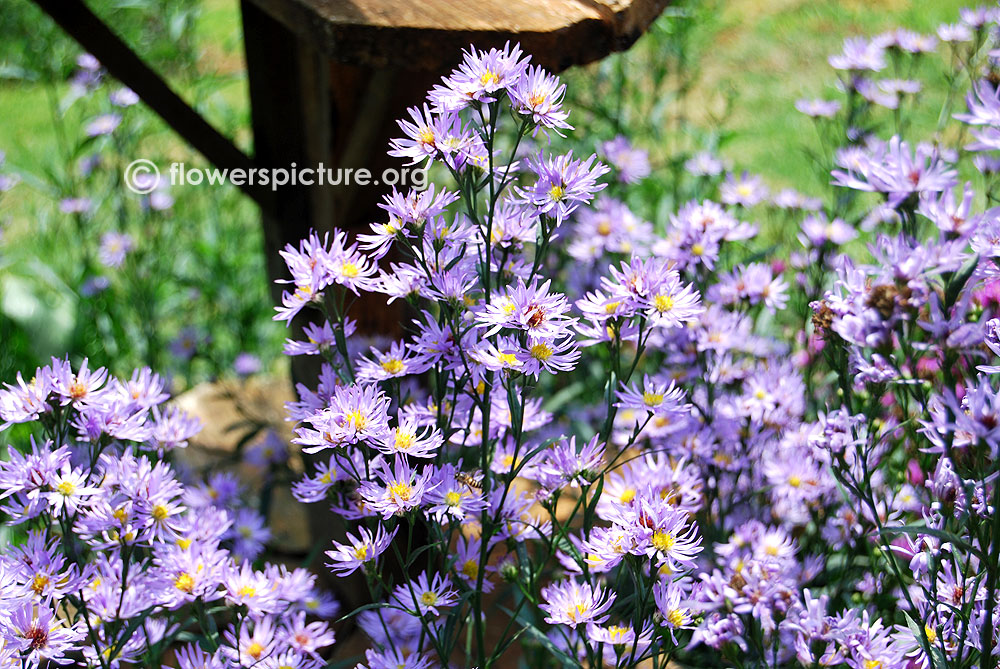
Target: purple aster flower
[
  {"x": 356, "y": 413},
  {"x": 249, "y": 534},
  {"x": 704, "y": 164},
  {"x": 75, "y": 205},
  {"x": 398, "y": 361},
  {"x": 191, "y": 656},
  {"x": 954, "y": 33},
  {"x": 859, "y": 55},
  {"x": 893, "y": 170},
  {"x": 254, "y": 589},
  {"x": 532, "y": 309},
  {"x": 452, "y": 498},
  {"x": 562, "y": 184},
  {"x": 565, "y": 465},
  {"x": 572, "y": 603},
  {"x": 632, "y": 164},
  {"x": 360, "y": 551},
  {"x": 426, "y": 595},
  {"x": 481, "y": 77},
  {"x": 104, "y": 124},
  {"x": 306, "y": 638},
  {"x": 400, "y": 488},
  {"x": 39, "y": 636},
  {"x": 246, "y": 364},
  {"x": 539, "y": 95},
  {"x": 123, "y": 97},
  {"x": 747, "y": 190},
  {"x": 817, "y": 231},
  {"x": 410, "y": 438},
  {"x": 818, "y": 108},
  {"x": 114, "y": 248}
]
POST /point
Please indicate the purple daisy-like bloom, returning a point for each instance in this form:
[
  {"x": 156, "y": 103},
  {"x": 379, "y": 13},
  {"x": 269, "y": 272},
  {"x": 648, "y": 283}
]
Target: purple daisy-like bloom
[
  {"x": 704, "y": 164},
  {"x": 114, "y": 248},
  {"x": 246, "y": 364},
  {"x": 360, "y": 551},
  {"x": 356, "y": 413},
  {"x": 123, "y": 97},
  {"x": 565, "y": 465},
  {"x": 817, "y": 231},
  {"x": 397, "y": 362},
  {"x": 817, "y": 108},
  {"x": 562, "y": 184},
  {"x": 539, "y": 95},
  {"x": 426, "y": 595},
  {"x": 480, "y": 78},
  {"x": 661, "y": 398},
  {"x": 572, "y": 603},
  {"x": 893, "y": 170},
  {"x": 39, "y": 636},
  {"x": 532, "y": 309},
  {"x": 103, "y": 125},
  {"x": 859, "y": 55},
  {"x": 632, "y": 164},
  {"x": 75, "y": 205},
  {"x": 747, "y": 190},
  {"x": 402, "y": 488}
]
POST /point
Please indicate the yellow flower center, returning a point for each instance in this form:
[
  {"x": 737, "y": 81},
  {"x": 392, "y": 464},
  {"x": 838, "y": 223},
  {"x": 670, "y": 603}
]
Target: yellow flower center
[
  {"x": 541, "y": 351},
  {"x": 508, "y": 359},
  {"x": 429, "y": 598},
  {"x": 184, "y": 543},
  {"x": 361, "y": 552},
  {"x": 557, "y": 192},
  {"x": 627, "y": 495},
  {"x": 664, "y": 541},
  {"x": 160, "y": 512},
  {"x": 452, "y": 498},
  {"x": 577, "y": 611},
  {"x": 255, "y": 650},
  {"x": 39, "y": 583},
  {"x": 77, "y": 389},
  {"x": 489, "y": 77},
  {"x": 663, "y": 303},
  {"x": 349, "y": 269},
  {"x": 536, "y": 99},
  {"x": 403, "y": 441},
  {"x": 247, "y": 591},
  {"x": 652, "y": 399},
  {"x": 697, "y": 249},
  {"x": 794, "y": 481},
  {"x": 675, "y": 617},
  {"x": 426, "y": 136},
  {"x": 184, "y": 582},
  {"x": 66, "y": 488},
  {"x": 872, "y": 664},
  {"x": 357, "y": 419},
  {"x": 394, "y": 366},
  {"x": 617, "y": 633},
  {"x": 931, "y": 634},
  {"x": 401, "y": 490},
  {"x": 470, "y": 569},
  {"x": 604, "y": 228},
  {"x": 760, "y": 393},
  {"x": 326, "y": 478}
]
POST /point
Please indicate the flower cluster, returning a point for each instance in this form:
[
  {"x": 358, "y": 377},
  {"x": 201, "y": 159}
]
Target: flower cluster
[
  {"x": 123, "y": 555},
  {"x": 607, "y": 435}
]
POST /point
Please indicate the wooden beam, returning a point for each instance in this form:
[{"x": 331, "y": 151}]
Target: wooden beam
[{"x": 98, "y": 39}]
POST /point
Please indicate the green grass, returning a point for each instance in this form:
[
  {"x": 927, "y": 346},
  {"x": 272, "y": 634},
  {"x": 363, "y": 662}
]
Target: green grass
[{"x": 771, "y": 53}]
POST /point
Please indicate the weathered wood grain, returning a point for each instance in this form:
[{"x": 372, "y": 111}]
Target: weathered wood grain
[{"x": 429, "y": 34}]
